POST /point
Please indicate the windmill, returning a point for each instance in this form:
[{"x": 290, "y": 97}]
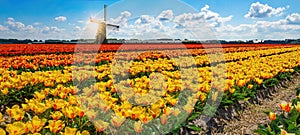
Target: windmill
[{"x": 101, "y": 31}]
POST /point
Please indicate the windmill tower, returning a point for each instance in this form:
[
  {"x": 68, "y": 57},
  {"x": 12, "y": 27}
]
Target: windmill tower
[{"x": 101, "y": 31}]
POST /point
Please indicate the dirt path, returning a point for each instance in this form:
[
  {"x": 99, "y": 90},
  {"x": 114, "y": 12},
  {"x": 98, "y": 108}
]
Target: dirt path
[{"x": 254, "y": 115}]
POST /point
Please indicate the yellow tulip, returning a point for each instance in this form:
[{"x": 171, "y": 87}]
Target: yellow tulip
[
  {"x": 2, "y": 131},
  {"x": 241, "y": 83},
  {"x": 48, "y": 103},
  {"x": 55, "y": 126},
  {"x": 36, "y": 124},
  {"x": 25, "y": 107},
  {"x": 100, "y": 125},
  {"x": 4, "y": 91},
  {"x": 176, "y": 112},
  {"x": 214, "y": 96},
  {"x": 83, "y": 133},
  {"x": 272, "y": 116},
  {"x": 17, "y": 128},
  {"x": 283, "y": 132},
  {"x": 231, "y": 90},
  {"x": 55, "y": 92},
  {"x": 138, "y": 126},
  {"x": 258, "y": 81},
  {"x": 1, "y": 117},
  {"x": 56, "y": 115},
  {"x": 39, "y": 95},
  {"x": 188, "y": 108},
  {"x": 117, "y": 121},
  {"x": 40, "y": 108},
  {"x": 58, "y": 104},
  {"x": 154, "y": 111},
  {"x": 16, "y": 113},
  {"x": 250, "y": 86},
  {"x": 69, "y": 131},
  {"x": 72, "y": 99},
  {"x": 80, "y": 112},
  {"x": 91, "y": 114},
  {"x": 145, "y": 118},
  {"x": 70, "y": 112},
  {"x": 136, "y": 111},
  {"x": 35, "y": 134},
  {"x": 298, "y": 106},
  {"x": 167, "y": 110}
]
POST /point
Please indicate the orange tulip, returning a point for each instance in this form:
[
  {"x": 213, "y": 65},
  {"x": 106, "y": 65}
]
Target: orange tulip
[
  {"x": 164, "y": 119},
  {"x": 250, "y": 86},
  {"x": 285, "y": 106}
]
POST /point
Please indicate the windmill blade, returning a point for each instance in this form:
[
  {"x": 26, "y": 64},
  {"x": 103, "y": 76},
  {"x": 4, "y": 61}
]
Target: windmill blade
[
  {"x": 115, "y": 27},
  {"x": 112, "y": 25}
]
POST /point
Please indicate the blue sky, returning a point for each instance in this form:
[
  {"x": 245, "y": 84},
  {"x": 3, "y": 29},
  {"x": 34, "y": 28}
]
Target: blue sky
[{"x": 193, "y": 19}]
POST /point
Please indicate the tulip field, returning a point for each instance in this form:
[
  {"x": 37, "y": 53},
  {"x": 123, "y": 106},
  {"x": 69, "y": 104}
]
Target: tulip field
[{"x": 137, "y": 89}]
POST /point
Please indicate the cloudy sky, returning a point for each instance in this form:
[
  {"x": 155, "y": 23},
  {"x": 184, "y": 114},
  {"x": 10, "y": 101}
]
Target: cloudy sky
[{"x": 192, "y": 19}]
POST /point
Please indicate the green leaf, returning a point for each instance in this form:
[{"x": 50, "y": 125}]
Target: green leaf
[
  {"x": 194, "y": 116},
  {"x": 293, "y": 115},
  {"x": 275, "y": 128},
  {"x": 194, "y": 127},
  {"x": 291, "y": 127}
]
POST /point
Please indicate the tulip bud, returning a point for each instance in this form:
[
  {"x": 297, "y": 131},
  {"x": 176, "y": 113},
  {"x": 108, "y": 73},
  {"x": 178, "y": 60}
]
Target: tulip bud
[
  {"x": 298, "y": 106},
  {"x": 272, "y": 116}
]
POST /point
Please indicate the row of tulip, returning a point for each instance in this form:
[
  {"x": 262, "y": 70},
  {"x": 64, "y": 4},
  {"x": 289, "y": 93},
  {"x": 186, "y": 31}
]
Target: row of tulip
[
  {"x": 33, "y": 49},
  {"x": 43, "y": 62}
]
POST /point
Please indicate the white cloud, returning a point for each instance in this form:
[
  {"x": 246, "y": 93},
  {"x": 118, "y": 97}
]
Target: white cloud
[
  {"x": 293, "y": 18},
  {"x": 150, "y": 27},
  {"x": 16, "y": 29},
  {"x": 30, "y": 28},
  {"x": 13, "y": 25},
  {"x": 78, "y": 28},
  {"x": 3, "y": 28},
  {"x": 81, "y": 21},
  {"x": 145, "y": 19},
  {"x": 258, "y": 10},
  {"x": 280, "y": 29},
  {"x": 60, "y": 19},
  {"x": 10, "y": 19},
  {"x": 122, "y": 19},
  {"x": 165, "y": 15},
  {"x": 204, "y": 16},
  {"x": 36, "y": 23},
  {"x": 52, "y": 29}
]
